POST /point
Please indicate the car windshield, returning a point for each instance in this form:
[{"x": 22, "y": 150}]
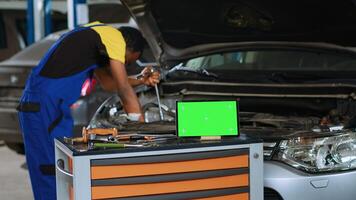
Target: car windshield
[{"x": 273, "y": 60}]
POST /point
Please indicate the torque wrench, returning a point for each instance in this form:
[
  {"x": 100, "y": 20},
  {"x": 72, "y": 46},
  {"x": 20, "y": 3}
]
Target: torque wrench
[{"x": 159, "y": 103}]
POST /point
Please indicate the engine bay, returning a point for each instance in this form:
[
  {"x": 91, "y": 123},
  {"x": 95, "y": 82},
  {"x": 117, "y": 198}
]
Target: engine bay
[{"x": 262, "y": 124}]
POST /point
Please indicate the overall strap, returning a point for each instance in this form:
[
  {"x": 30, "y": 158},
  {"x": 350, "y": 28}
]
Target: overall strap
[{"x": 55, "y": 45}]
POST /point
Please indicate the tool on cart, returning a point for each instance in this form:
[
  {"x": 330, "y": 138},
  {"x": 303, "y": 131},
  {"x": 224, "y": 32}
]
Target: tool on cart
[
  {"x": 134, "y": 137},
  {"x": 125, "y": 138},
  {"x": 93, "y": 134},
  {"x": 111, "y": 136},
  {"x": 115, "y": 145},
  {"x": 125, "y": 141}
]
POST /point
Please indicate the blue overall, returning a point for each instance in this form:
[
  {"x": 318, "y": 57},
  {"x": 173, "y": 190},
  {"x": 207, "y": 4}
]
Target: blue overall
[{"x": 48, "y": 116}]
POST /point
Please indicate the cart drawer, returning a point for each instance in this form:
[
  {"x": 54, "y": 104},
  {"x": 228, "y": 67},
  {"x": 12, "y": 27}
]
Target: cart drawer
[{"x": 204, "y": 175}]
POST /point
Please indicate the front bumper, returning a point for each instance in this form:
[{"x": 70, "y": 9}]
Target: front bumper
[{"x": 293, "y": 184}]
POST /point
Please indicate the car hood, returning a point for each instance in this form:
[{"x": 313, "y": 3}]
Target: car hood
[{"x": 179, "y": 28}]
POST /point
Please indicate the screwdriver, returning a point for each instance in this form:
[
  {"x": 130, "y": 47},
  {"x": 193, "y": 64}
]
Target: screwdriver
[
  {"x": 115, "y": 145},
  {"x": 133, "y": 137}
]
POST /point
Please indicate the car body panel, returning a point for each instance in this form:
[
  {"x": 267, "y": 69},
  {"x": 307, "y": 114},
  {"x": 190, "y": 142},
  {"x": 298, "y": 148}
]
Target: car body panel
[{"x": 293, "y": 184}]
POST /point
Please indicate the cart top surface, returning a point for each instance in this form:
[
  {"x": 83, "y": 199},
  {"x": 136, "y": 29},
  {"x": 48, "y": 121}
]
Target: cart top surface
[{"x": 170, "y": 143}]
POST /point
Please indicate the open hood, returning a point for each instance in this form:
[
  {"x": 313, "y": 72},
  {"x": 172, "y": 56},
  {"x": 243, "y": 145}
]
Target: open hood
[{"x": 176, "y": 28}]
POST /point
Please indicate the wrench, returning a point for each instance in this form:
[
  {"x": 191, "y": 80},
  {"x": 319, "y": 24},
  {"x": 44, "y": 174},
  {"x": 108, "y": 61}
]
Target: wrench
[
  {"x": 159, "y": 103},
  {"x": 157, "y": 94}
]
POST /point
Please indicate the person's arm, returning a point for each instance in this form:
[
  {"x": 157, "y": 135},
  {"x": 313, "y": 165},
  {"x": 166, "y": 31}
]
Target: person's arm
[
  {"x": 135, "y": 82},
  {"x": 150, "y": 80},
  {"x": 120, "y": 82},
  {"x": 107, "y": 81}
]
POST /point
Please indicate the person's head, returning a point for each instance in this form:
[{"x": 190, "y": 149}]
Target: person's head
[{"x": 134, "y": 43}]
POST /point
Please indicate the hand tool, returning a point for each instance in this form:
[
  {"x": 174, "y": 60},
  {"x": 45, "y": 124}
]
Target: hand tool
[
  {"x": 159, "y": 103},
  {"x": 146, "y": 73},
  {"x": 157, "y": 93},
  {"x": 91, "y": 134},
  {"x": 145, "y": 64},
  {"x": 138, "y": 137},
  {"x": 115, "y": 145},
  {"x": 119, "y": 138},
  {"x": 133, "y": 137}
]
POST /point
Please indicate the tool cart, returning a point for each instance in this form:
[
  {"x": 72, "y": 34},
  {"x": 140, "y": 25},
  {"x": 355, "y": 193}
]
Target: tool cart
[{"x": 180, "y": 168}]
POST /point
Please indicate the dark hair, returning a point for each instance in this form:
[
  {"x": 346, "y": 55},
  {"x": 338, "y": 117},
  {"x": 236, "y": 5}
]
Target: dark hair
[{"x": 133, "y": 38}]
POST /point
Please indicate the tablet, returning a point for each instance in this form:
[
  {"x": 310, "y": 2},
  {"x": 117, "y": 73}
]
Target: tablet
[{"x": 207, "y": 118}]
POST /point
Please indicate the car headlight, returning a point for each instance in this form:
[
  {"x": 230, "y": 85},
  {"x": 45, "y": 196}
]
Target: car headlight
[{"x": 320, "y": 154}]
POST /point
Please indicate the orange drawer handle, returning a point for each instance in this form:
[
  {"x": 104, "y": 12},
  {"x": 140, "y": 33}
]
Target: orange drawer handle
[
  {"x": 130, "y": 170},
  {"x": 102, "y": 192},
  {"x": 243, "y": 196}
]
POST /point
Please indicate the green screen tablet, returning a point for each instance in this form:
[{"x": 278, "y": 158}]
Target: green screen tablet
[{"x": 207, "y": 118}]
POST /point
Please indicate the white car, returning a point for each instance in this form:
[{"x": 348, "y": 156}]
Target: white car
[{"x": 292, "y": 64}]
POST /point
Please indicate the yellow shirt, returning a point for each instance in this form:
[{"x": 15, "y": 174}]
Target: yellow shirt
[
  {"x": 112, "y": 39},
  {"x": 82, "y": 49}
]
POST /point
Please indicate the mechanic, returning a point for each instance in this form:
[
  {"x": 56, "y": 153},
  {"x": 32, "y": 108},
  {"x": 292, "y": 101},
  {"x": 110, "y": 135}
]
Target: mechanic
[{"x": 55, "y": 84}]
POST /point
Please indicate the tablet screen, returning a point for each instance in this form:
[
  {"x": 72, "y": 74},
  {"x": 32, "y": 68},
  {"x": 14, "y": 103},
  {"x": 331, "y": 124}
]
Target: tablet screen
[{"x": 207, "y": 118}]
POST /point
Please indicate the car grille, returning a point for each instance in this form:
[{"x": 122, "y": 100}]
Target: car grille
[{"x": 270, "y": 194}]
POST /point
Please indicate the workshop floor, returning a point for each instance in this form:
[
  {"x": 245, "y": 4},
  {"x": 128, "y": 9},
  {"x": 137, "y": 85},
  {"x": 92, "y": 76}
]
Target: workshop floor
[{"x": 15, "y": 182}]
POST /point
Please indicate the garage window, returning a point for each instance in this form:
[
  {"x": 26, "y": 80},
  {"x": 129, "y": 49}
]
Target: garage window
[{"x": 3, "y": 43}]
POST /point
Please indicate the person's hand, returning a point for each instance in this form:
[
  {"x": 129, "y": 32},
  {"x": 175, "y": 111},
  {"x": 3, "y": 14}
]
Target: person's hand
[{"x": 150, "y": 77}]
